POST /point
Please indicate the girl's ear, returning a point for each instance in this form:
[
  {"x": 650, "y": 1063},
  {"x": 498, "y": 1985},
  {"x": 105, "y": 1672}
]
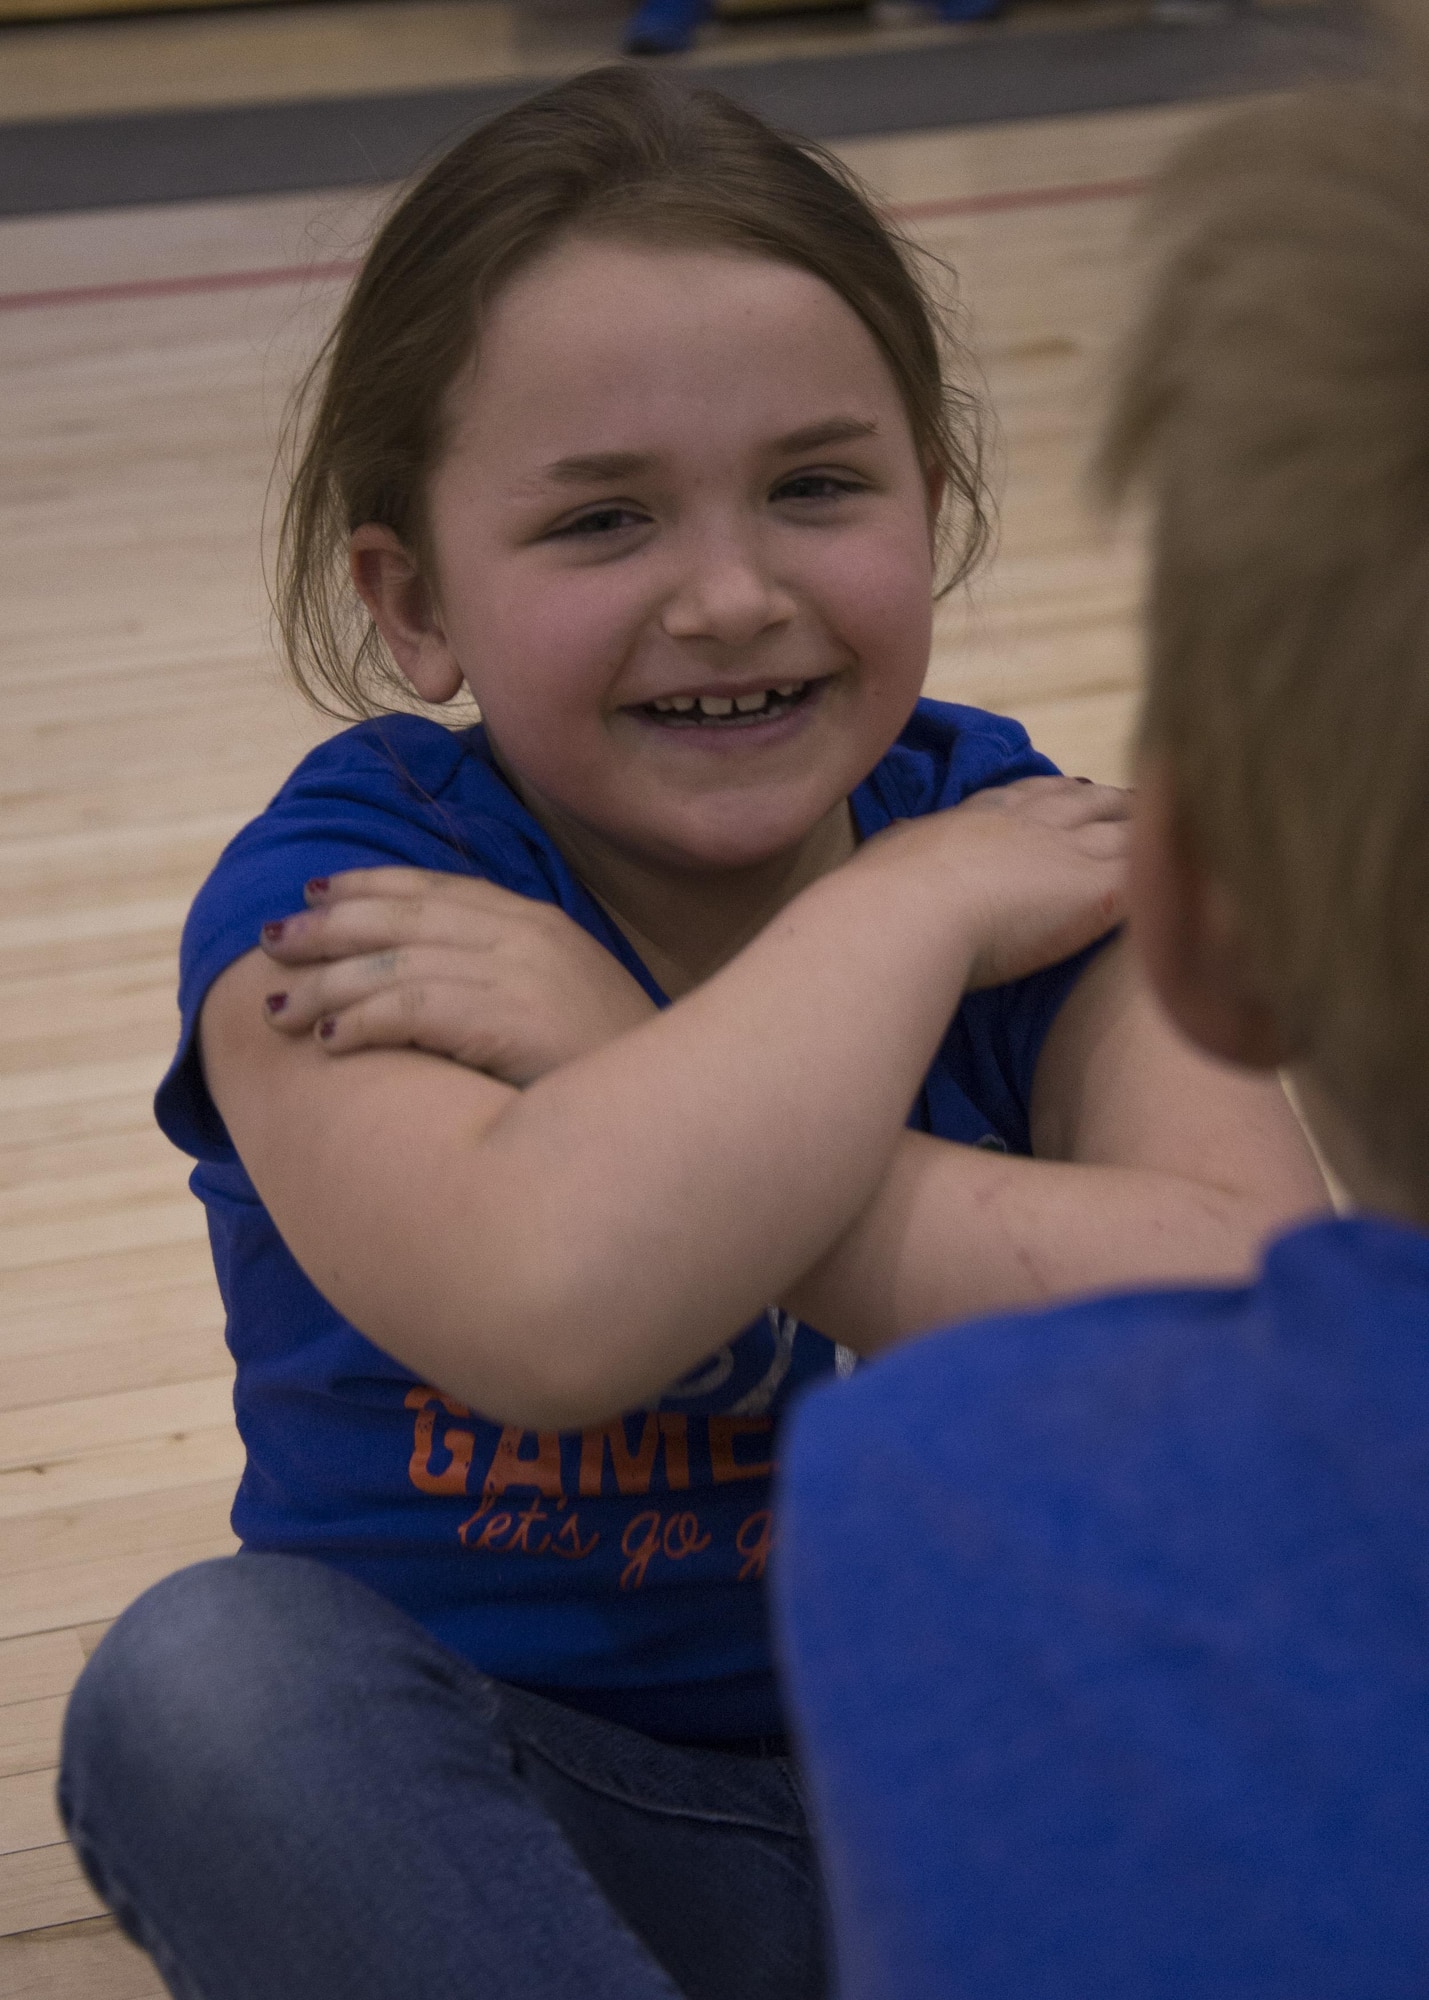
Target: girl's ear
[
  {"x": 392, "y": 587},
  {"x": 1191, "y": 935}
]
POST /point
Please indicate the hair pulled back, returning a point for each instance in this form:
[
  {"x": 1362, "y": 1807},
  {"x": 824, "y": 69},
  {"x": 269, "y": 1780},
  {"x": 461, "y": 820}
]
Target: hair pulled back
[{"x": 614, "y": 152}]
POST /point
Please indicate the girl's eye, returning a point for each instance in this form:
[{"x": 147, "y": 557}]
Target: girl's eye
[
  {"x": 817, "y": 486},
  {"x": 599, "y": 521}
]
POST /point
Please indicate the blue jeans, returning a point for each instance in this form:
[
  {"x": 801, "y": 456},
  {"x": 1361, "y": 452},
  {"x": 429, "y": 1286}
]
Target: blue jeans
[{"x": 287, "y": 1791}]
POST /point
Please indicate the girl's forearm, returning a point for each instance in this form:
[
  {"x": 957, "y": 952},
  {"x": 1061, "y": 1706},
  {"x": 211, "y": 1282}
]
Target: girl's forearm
[
  {"x": 955, "y": 1232},
  {"x": 665, "y": 1188},
  {"x": 557, "y": 1254},
  {"x": 792, "y": 1070}
]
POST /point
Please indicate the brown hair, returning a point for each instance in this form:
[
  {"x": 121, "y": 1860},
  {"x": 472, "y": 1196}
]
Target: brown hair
[
  {"x": 1275, "y": 398},
  {"x": 615, "y": 151}
]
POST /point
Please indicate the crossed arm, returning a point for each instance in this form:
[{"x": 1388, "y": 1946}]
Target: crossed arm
[
  {"x": 556, "y": 1252},
  {"x": 1152, "y": 1165}
]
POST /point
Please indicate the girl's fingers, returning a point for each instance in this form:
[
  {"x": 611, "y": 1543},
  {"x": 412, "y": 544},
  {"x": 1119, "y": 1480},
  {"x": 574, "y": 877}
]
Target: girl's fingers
[
  {"x": 325, "y": 890},
  {"x": 365, "y": 909},
  {"x": 366, "y": 923},
  {"x": 405, "y": 883},
  {"x": 1057, "y": 801},
  {"x": 307, "y": 993},
  {"x": 1108, "y": 802},
  {"x": 431, "y": 1014},
  {"x": 1105, "y": 840},
  {"x": 347, "y": 928}
]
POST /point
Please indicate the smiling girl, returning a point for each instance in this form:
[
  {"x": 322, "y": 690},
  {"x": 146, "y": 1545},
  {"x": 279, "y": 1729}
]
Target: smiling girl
[{"x": 634, "y": 427}]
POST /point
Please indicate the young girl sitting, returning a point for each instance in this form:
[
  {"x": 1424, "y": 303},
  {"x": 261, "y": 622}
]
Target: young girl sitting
[{"x": 634, "y": 426}]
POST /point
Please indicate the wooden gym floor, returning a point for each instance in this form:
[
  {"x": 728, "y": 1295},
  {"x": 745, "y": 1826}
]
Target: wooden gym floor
[{"x": 146, "y": 356}]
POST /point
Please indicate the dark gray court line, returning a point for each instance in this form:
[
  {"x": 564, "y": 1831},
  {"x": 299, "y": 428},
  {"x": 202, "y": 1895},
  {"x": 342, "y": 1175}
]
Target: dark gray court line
[{"x": 47, "y": 166}]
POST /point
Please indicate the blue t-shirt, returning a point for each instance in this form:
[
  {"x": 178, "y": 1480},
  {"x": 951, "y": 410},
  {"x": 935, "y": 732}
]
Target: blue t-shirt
[
  {"x": 621, "y": 1567},
  {"x": 1107, "y": 1637}
]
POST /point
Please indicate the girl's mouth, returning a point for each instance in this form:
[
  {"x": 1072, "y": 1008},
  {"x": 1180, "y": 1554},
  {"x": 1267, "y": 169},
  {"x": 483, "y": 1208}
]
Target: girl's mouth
[{"x": 725, "y": 711}]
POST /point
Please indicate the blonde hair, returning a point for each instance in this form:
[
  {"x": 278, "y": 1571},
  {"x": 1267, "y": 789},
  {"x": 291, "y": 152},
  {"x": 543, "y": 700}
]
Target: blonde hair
[
  {"x": 1275, "y": 399},
  {"x": 616, "y": 152}
]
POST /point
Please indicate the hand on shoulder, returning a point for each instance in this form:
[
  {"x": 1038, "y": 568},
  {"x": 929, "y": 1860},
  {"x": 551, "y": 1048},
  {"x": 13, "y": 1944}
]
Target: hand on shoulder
[
  {"x": 1035, "y": 869},
  {"x": 412, "y": 958}
]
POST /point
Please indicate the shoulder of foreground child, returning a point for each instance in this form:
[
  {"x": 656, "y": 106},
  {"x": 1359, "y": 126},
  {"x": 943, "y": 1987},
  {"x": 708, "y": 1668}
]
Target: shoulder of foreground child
[{"x": 1103, "y": 1632}]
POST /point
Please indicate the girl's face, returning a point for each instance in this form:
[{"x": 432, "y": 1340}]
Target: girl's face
[{"x": 682, "y": 550}]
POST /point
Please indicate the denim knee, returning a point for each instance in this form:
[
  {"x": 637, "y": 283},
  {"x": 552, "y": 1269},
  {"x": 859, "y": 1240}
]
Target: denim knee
[{"x": 215, "y": 1676}]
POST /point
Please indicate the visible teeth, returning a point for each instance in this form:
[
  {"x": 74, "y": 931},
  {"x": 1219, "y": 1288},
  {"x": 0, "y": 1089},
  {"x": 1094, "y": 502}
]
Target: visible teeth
[{"x": 721, "y": 705}]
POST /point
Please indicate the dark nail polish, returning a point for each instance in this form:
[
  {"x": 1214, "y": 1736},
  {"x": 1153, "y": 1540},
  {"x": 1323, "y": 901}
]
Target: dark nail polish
[
  {"x": 276, "y": 1002},
  {"x": 327, "y": 1029},
  {"x": 319, "y": 886},
  {"x": 272, "y": 933}
]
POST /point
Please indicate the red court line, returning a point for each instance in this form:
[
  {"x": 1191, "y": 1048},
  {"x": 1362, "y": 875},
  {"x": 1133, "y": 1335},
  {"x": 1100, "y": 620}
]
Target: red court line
[
  {"x": 305, "y": 274},
  {"x": 173, "y": 288}
]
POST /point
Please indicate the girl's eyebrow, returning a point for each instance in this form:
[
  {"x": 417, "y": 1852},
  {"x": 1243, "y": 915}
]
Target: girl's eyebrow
[
  {"x": 596, "y": 467},
  {"x": 838, "y": 430}
]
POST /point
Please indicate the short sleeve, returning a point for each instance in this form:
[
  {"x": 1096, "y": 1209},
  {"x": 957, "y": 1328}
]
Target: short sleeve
[
  {"x": 989, "y": 1057},
  {"x": 401, "y": 791}
]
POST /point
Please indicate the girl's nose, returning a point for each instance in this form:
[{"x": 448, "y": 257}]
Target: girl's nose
[{"x": 725, "y": 593}]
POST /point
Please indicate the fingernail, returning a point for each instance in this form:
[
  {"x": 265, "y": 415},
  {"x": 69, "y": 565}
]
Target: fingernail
[
  {"x": 272, "y": 933},
  {"x": 1085, "y": 781},
  {"x": 327, "y": 1028},
  {"x": 276, "y": 1002},
  {"x": 319, "y": 886}
]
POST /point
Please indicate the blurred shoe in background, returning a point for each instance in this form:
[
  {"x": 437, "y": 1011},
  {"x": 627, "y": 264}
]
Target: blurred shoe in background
[
  {"x": 667, "y": 27},
  {"x": 664, "y": 27}
]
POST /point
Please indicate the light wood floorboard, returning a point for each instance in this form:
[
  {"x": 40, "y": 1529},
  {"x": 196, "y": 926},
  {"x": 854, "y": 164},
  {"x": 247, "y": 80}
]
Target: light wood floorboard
[
  {"x": 87, "y": 1960},
  {"x": 41, "y": 1887}
]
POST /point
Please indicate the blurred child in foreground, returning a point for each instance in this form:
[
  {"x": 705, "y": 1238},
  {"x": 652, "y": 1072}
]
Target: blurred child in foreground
[{"x": 1106, "y": 1626}]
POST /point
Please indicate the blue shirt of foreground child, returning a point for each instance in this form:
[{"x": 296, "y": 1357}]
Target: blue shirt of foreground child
[{"x": 1105, "y": 1635}]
